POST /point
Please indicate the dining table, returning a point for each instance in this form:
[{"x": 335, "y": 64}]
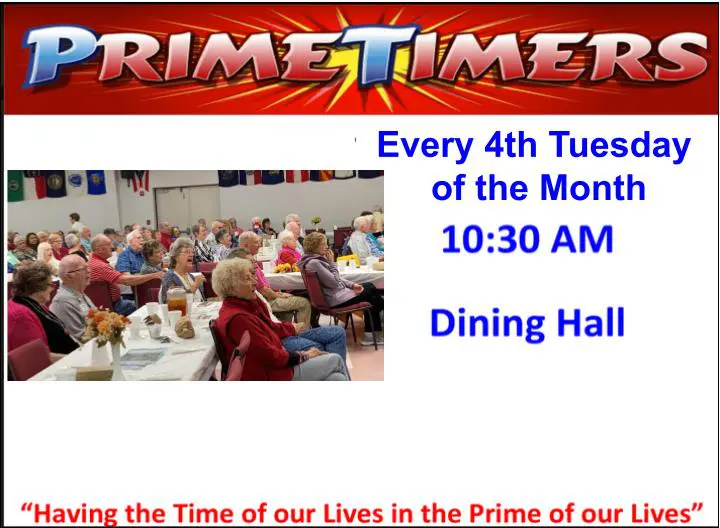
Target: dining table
[
  {"x": 294, "y": 281},
  {"x": 167, "y": 358}
]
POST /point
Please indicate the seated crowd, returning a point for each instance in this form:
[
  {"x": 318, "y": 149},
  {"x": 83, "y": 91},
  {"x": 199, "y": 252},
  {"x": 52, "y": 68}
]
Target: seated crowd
[{"x": 54, "y": 311}]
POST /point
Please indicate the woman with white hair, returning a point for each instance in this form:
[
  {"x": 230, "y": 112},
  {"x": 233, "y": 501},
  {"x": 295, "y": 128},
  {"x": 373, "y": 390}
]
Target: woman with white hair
[
  {"x": 267, "y": 358},
  {"x": 22, "y": 252},
  {"x": 288, "y": 253},
  {"x": 45, "y": 254},
  {"x": 75, "y": 247},
  {"x": 359, "y": 243}
]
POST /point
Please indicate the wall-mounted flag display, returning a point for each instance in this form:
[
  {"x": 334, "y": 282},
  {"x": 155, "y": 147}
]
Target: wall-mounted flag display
[
  {"x": 228, "y": 178},
  {"x": 96, "y": 182},
  {"x": 370, "y": 173},
  {"x": 297, "y": 176},
  {"x": 55, "y": 183},
  {"x": 273, "y": 177},
  {"x": 76, "y": 183},
  {"x": 15, "y": 186},
  {"x": 35, "y": 185},
  {"x": 321, "y": 175}
]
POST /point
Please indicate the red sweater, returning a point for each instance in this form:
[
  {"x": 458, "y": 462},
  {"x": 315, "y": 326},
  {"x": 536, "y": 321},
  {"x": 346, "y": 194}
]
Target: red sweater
[
  {"x": 61, "y": 253},
  {"x": 266, "y": 359},
  {"x": 166, "y": 240}
]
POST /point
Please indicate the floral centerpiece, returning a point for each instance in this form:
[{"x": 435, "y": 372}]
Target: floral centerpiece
[
  {"x": 316, "y": 220},
  {"x": 107, "y": 326},
  {"x": 286, "y": 268}
]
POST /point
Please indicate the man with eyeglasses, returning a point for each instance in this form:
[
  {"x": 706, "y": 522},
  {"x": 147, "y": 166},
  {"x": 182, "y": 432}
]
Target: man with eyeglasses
[{"x": 70, "y": 304}]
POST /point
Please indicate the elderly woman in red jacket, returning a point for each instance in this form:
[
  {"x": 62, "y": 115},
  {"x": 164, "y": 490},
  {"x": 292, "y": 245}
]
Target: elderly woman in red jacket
[{"x": 267, "y": 359}]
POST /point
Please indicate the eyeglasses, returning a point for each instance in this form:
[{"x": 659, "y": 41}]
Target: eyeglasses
[{"x": 77, "y": 269}]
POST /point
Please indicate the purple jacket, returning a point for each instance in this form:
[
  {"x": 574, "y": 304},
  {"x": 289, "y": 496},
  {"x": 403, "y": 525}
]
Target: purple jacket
[{"x": 335, "y": 289}]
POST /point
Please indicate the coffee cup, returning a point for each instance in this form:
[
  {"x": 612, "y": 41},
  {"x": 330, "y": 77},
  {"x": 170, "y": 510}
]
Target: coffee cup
[{"x": 135, "y": 322}]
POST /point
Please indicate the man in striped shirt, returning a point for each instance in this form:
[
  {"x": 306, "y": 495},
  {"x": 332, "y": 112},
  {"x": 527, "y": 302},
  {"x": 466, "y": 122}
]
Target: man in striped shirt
[{"x": 101, "y": 270}]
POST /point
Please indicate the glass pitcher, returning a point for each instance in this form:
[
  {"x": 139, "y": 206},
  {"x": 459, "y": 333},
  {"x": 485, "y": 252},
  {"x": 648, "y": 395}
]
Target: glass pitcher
[{"x": 177, "y": 300}]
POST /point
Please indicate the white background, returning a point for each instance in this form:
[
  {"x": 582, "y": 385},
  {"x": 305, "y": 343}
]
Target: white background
[{"x": 599, "y": 422}]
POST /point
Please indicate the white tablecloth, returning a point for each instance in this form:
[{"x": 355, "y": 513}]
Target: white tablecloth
[
  {"x": 293, "y": 281},
  {"x": 183, "y": 359}
]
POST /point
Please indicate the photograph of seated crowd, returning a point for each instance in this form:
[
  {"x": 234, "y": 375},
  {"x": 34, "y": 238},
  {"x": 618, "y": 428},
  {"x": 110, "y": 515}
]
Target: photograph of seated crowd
[{"x": 280, "y": 301}]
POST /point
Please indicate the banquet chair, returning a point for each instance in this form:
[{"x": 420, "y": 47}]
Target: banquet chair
[
  {"x": 317, "y": 300},
  {"x": 206, "y": 267},
  {"x": 232, "y": 365},
  {"x": 153, "y": 295},
  {"x": 339, "y": 236},
  {"x": 27, "y": 360},
  {"x": 99, "y": 294},
  {"x": 54, "y": 291},
  {"x": 142, "y": 292}
]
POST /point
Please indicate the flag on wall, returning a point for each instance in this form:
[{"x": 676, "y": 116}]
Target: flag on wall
[
  {"x": 76, "y": 183},
  {"x": 55, "y": 183},
  {"x": 370, "y": 173},
  {"x": 96, "y": 182},
  {"x": 35, "y": 185},
  {"x": 344, "y": 174},
  {"x": 297, "y": 176},
  {"x": 273, "y": 177},
  {"x": 249, "y": 177},
  {"x": 321, "y": 175},
  {"x": 228, "y": 178},
  {"x": 140, "y": 181},
  {"x": 15, "y": 186}
]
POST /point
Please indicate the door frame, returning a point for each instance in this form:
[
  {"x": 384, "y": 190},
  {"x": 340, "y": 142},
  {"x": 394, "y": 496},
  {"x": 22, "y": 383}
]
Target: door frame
[{"x": 181, "y": 187}]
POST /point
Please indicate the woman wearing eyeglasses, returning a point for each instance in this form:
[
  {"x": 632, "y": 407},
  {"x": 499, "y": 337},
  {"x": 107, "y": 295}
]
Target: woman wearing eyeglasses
[{"x": 28, "y": 317}]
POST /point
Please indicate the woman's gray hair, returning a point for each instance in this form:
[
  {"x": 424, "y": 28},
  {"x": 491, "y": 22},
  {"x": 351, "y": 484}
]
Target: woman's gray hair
[
  {"x": 359, "y": 221},
  {"x": 292, "y": 217},
  {"x": 178, "y": 247},
  {"x": 18, "y": 239},
  {"x": 284, "y": 236},
  {"x": 71, "y": 240},
  {"x": 226, "y": 275}
]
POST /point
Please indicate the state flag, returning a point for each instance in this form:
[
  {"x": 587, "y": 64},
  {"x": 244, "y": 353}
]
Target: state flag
[
  {"x": 55, "y": 182},
  {"x": 370, "y": 173},
  {"x": 273, "y": 177},
  {"x": 297, "y": 176},
  {"x": 96, "y": 182},
  {"x": 321, "y": 175},
  {"x": 344, "y": 174},
  {"x": 228, "y": 178},
  {"x": 15, "y": 186},
  {"x": 35, "y": 185},
  {"x": 76, "y": 183},
  {"x": 250, "y": 177}
]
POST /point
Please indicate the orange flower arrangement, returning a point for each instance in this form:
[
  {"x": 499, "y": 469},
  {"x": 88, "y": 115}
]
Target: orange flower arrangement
[{"x": 106, "y": 326}]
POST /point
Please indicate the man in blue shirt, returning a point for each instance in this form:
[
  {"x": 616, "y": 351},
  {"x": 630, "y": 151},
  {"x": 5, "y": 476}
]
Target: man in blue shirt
[{"x": 131, "y": 260}]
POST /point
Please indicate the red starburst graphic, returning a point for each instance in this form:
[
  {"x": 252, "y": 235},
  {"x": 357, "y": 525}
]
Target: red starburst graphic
[{"x": 78, "y": 90}]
